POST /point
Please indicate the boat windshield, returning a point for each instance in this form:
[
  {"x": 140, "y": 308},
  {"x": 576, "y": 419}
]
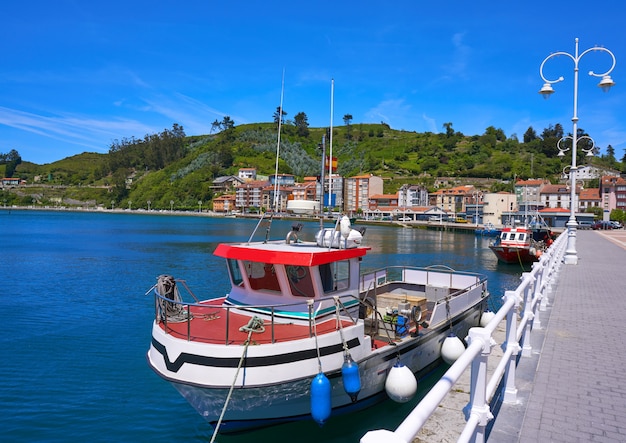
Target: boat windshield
[
  {"x": 235, "y": 273},
  {"x": 300, "y": 281},
  {"x": 335, "y": 276},
  {"x": 262, "y": 276}
]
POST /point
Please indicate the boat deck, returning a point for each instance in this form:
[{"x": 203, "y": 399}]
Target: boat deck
[{"x": 216, "y": 324}]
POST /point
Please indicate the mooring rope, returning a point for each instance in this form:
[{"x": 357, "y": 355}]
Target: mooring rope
[{"x": 255, "y": 324}]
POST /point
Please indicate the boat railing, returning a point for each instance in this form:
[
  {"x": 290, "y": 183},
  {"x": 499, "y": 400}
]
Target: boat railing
[
  {"x": 436, "y": 276},
  {"x": 532, "y": 294},
  {"x": 171, "y": 312}
]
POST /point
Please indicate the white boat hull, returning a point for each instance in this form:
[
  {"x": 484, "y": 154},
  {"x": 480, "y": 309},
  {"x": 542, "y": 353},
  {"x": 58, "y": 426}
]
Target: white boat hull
[{"x": 259, "y": 404}]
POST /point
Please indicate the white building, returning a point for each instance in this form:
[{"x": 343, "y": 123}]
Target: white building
[{"x": 495, "y": 204}]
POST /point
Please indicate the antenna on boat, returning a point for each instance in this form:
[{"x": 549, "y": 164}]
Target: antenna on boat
[
  {"x": 280, "y": 120},
  {"x": 323, "y": 147},
  {"x": 330, "y": 158}
]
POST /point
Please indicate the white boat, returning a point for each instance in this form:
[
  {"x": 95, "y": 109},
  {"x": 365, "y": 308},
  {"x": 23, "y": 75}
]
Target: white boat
[
  {"x": 303, "y": 334},
  {"x": 303, "y": 206}
]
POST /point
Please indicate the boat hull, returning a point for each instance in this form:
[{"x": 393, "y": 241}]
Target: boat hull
[
  {"x": 252, "y": 406},
  {"x": 512, "y": 254}
]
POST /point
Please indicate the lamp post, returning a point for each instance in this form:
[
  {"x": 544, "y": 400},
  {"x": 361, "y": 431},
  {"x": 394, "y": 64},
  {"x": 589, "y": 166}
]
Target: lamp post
[
  {"x": 589, "y": 152},
  {"x": 571, "y": 257}
]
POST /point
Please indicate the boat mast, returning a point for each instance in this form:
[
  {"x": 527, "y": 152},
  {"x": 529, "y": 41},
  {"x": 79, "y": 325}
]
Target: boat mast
[
  {"x": 280, "y": 119},
  {"x": 323, "y": 146},
  {"x": 330, "y": 158}
]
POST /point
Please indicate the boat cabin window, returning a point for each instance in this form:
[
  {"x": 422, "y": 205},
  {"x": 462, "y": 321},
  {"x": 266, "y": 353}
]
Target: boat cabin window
[
  {"x": 235, "y": 273},
  {"x": 300, "y": 281},
  {"x": 262, "y": 276},
  {"x": 335, "y": 276}
]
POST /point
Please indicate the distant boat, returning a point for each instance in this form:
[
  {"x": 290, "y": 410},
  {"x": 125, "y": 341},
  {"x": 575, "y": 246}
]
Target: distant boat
[
  {"x": 300, "y": 207},
  {"x": 521, "y": 244},
  {"x": 489, "y": 230}
]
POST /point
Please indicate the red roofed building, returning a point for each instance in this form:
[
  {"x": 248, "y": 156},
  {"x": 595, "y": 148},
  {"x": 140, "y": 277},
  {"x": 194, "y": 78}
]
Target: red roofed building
[
  {"x": 589, "y": 198},
  {"x": 383, "y": 201}
]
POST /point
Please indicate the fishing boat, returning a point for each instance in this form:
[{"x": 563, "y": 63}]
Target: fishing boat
[
  {"x": 488, "y": 230},
  {"x": 304, "y": 334},
  {"x": 521, "y": 244}
]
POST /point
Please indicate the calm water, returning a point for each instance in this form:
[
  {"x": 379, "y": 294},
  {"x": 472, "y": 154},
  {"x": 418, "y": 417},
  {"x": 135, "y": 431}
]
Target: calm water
[{"x": 76, "y": 323}]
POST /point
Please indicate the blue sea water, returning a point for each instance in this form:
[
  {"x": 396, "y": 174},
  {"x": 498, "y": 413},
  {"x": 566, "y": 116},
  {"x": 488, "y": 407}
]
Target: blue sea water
[{"x": 76, "y": 321}]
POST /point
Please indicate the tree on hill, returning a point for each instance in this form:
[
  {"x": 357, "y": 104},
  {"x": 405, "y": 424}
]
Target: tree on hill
[
  {"x": 302, "y": 124},
  {"x": 154, "y": 152},
  {"x": 11, "y": 160},
  {"x": 347, "y": 120},
  {"x": 279, "y": 115},
  {"x": 225, "y": 124}
]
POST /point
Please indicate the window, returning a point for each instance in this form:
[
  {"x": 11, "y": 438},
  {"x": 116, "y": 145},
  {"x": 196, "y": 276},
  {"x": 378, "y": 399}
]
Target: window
[
  {"x": 262, "y": 276},
  {"x": 300, "y": 281},
  {"x": 235, "y": 273},
  {"x": 335, "y": 276}
]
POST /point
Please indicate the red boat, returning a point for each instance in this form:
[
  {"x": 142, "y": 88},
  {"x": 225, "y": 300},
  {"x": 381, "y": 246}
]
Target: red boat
[{"x": 521, "y": 244}]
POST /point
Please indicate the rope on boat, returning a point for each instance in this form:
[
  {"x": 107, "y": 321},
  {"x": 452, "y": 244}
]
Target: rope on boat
[
  {"x": 343, "y": 340},
  {"x": 255, "y": 324},
  {"x": 173, "y": 310},
  {"x": 317, "y": 348}
]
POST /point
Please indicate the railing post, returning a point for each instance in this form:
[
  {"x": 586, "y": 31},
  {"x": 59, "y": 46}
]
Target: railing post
[
  {"x": 553, "y": 275},
  {"x": 528, "y": 314},
  {"x": 538, "y": 294},
  {"x": 510, "y": 389},
  {"x": 479, "y": 407}
]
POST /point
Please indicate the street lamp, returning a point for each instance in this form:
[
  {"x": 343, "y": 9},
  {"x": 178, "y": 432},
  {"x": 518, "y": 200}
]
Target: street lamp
[{"x": 571, "y": 257}]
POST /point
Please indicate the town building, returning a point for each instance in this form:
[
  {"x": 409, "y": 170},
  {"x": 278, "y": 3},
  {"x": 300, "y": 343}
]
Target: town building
[
  {"x": 224, "y": 203},
  {"x": 613, "y": 194},
  {"x": 358, "y": 190},
  {"x": 226, "y": 184},
  {"x": 589, "y": 198},
  {"x": 412, "y": 195},
  {"x": 249, "y": 195},
  {"x": 589, "y": 172},
  {"x": 528, "y": 194},
  {"x": 454, "y": 200},
  {"x": 556, "y": 196},
  {"x": 495, "y": 205},
  {"x": 247, "y": 174}
]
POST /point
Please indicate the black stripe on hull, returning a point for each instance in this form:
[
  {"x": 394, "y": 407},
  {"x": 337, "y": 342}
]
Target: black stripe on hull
[{"x": 249, "y": 362}]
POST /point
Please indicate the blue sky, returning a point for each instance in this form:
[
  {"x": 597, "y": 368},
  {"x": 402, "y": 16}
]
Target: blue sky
[{"x": 77, "y": 75}]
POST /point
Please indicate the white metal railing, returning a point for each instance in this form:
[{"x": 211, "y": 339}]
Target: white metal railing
[{"x": 530, "y": 295}]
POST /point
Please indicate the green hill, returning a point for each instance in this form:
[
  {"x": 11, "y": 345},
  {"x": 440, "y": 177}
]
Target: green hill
[{"x": 173, "y": 167}]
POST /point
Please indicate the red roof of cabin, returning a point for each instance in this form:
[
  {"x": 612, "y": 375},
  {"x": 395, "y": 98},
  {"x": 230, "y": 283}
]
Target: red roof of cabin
[{"x": 297, "y": 254}]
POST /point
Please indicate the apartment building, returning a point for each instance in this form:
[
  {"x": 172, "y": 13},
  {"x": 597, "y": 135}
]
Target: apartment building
[{"x": 358, "y": 190}]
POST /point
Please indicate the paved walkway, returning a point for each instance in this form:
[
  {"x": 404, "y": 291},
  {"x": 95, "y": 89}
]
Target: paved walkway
[{"x": 573, "y": 387}]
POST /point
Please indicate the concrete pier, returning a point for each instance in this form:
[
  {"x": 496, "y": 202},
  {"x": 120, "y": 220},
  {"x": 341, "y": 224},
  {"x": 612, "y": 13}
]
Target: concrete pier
[{"x": 573, "y": 386}]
